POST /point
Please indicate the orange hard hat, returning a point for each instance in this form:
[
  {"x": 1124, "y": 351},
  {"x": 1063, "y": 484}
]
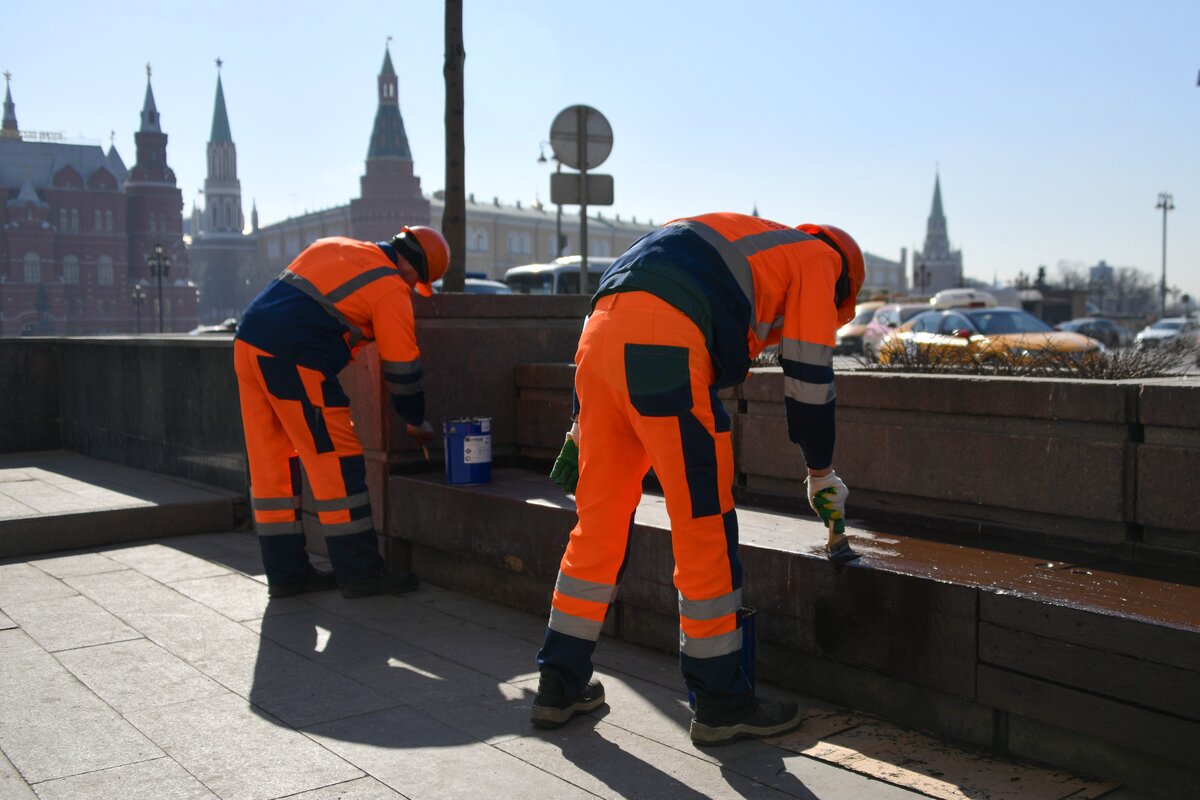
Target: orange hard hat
[
  {"x": 854, "y": 270},
  {"x": 426, "y": 250}
]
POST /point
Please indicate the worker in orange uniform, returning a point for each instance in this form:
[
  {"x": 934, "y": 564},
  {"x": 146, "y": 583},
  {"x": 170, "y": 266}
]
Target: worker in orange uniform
[
  {"x": 678, "y": 317},
  {"x": 294, "y": 338}
]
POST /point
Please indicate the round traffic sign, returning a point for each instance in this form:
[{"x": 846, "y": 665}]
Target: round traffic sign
[{"x": 581, "y": 137}]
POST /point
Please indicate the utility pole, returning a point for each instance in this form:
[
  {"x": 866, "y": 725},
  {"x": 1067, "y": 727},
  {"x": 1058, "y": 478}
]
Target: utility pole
[
  {"x": 454, "y": 215},
  {"x": 1165, "y": 203}
]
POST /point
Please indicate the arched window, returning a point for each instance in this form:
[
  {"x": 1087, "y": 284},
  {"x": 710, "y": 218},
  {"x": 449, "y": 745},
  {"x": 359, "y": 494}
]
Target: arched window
[
  {"x": 33, "y": 268},
  {"x": 62, "y": 220},
  {"x": 70, "y": 266},
  {"x": 514, "y": 243},
  {"x": 481, "y": 241},
  {"x": 98, "y": 220},
  {"x": 75, "y": 220},
  {"x": 104, "y": 271},
  {"x": 108, "y": 221},
  {"x": 526, "y": 244}
]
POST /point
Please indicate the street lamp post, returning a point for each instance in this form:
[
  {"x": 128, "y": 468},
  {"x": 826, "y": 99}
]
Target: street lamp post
[
  {"x": 159, "y": 265},
  {"x": 138, "y": 297},
  {"x": 1166, "y": 203}
]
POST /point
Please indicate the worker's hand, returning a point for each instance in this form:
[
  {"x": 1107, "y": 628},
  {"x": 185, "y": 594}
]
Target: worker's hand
[
  {"x": 827, "y": 496},
  {"x": 574, "y": 432},
  {"x": 422, "y": 434},
  {"x": 566, "y": 467}
]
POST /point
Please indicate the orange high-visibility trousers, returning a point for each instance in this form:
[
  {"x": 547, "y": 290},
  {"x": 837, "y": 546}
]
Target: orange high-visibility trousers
[
  {"x": 294, "y": 415},
  {"x": 644, "y": 378}
]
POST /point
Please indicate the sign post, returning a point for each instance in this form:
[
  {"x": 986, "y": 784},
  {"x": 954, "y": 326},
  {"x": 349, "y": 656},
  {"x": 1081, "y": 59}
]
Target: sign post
[{"x": 581, "y": 138}]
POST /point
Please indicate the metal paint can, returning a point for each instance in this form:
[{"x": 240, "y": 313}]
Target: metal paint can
[{"x": 468, "y": 445}]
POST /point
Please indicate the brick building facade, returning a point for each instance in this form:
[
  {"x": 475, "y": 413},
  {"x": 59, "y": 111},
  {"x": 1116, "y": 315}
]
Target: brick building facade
[{"x": 77, "y": 228}]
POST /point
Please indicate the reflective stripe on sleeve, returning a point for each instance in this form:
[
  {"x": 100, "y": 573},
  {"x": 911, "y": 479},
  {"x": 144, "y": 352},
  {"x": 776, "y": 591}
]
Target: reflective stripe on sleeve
[
  {"x": 403, "y": 377},
  {"x": 815, "y": 394},
  {"x": 713, "y": 608},
  {"x": 710, "y": 646},
  {"x": 818, "y": 355},
  {"x": 580, "y": 628},
  {"x": 585, "y": 590},
  {"x": 278, "y": 528}
]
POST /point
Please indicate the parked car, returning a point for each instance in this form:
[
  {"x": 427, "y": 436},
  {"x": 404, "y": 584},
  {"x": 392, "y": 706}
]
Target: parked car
[
  {"x": 982, "y": 334},
  {"x": 1168, "y": 330},
  {"x": 558, "y": 277},
  {"x": 850, "y": 335},
  {"x": 1105, "y": 331},
  {"x": 228, "y": 326},
  {"x": 884, "y": 321},
  {"x": 479, "y": 286}
]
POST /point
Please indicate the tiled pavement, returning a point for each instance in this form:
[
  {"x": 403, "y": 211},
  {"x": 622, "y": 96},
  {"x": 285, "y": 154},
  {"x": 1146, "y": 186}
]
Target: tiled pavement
[{"x": 160, "y": 670}]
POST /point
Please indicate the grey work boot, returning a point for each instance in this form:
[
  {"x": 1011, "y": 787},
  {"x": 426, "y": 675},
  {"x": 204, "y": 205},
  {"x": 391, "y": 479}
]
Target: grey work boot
[
  {"x": 551, "y": 707},
  {"x": 715, "y": 725}
]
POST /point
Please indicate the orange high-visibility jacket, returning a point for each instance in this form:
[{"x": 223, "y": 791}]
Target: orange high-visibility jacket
[
  {"x": 748, "y": 283},
  {"x": 337, "y": 295}
]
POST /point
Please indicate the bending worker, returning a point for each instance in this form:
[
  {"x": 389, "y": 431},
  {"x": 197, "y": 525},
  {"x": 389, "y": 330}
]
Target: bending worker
[
  {"x": 292, "y": 341},
  {"x": 679, "y": 316}
]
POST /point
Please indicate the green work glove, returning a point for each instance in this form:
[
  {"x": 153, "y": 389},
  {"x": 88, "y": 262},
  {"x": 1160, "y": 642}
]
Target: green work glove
[
  {"x": 566, "y": 467},
  {"x": 827, "y": 496}
]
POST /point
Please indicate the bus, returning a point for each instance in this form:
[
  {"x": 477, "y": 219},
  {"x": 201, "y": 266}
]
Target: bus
[{"x": 560, "y": 276}]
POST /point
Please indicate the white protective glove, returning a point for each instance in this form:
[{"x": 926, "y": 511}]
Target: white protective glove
[
  {"x": 827, "y": 496},
  {"x": 422, "y": 434}
]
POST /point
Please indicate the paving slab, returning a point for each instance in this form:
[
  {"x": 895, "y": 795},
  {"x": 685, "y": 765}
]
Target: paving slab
[
  {"x": 361, "y": 789},
  {"x": 236, "y": 596},
  {"x": 423, "y": 758},
  {"x": 138, "y": 674},
  {"x": 164, "y": 563},
  {"x": 64, "y": 623},
  {"x": 239, "y": 755},
  {"x": 160, "y": 779},
  {"x": 53, "y": 726},
  {"x": 69, "y": 565},
  {"x": 12, "y": 785},
  {"x": 25, "y": 583},
  {"x": 57, "y": 500},
  {"x": 6, "y": 622}
]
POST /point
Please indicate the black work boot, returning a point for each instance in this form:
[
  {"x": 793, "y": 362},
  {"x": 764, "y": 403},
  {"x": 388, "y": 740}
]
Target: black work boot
[
  {"x": 315, "y": 581},
  {"x": 384, "y": 583},
  {"x": 716, "y": 725},
  {"x": 552, "y": 708}
]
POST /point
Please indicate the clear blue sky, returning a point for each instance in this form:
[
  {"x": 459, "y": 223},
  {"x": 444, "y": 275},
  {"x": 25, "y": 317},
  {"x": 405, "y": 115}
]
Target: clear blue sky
[{"x": 1054, "y": 124}]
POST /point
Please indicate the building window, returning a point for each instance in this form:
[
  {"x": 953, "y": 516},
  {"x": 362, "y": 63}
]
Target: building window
[
  {"x": 33, "y": 268},
  {"x": 526, "y": 244},
  {"x": 70, "y": 269},
  {"x": 514, "y": 243},
  {"x": 104, "y": 271},
  {"x": 600, "y": 247},
  {"x": 108, "y": 221},
  {"x": 75, "y": 220},
  {"x": 152, "y": 223},
  {"x": 470, "y": 239},
  {"x": 62, "y": 220},
  {"x": 481, "y": 241},
  {"x": 273, "y": 248},
  {"x": 99, "y": 222}
]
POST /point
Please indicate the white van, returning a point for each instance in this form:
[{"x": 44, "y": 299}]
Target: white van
[
  {"x": 962, "y": 298},
  {"x": 560, "y": 276}
]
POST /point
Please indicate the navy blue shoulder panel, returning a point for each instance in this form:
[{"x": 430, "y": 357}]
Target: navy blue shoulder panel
[
  {"x": 678, "y": 266},
  {"x": 287, "y": 323}
]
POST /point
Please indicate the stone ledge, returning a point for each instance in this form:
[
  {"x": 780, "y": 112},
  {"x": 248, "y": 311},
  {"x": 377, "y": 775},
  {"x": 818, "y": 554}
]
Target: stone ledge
[{"x": 918, "y": 630}]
